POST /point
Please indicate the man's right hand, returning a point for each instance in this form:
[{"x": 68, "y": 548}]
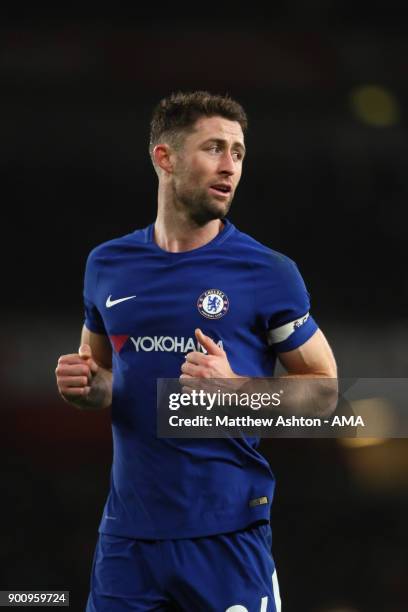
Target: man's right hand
[{"x": 75, "y": 373}]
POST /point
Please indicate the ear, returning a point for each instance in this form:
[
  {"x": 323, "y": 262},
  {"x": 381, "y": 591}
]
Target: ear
[{"x": 162, "y": 157}]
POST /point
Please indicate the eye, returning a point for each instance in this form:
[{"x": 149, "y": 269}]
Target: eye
[{"x": 237, "y": 155}]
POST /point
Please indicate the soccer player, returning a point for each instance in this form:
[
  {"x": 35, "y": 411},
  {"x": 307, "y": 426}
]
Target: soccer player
[{"x": 186, "y": 523}]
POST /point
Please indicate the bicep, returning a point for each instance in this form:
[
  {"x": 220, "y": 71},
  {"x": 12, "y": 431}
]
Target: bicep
[
  {"x": 314, "y": 357},
  {"x": 100, "y": 346}
]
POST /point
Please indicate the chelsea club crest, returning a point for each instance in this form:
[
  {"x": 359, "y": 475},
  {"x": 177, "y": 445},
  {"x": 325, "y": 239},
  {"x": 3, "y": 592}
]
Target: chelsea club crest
[{"x": 213, "y": 304}]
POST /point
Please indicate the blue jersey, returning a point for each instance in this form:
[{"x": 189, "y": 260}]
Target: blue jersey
[{"x": 247, "y": 298}]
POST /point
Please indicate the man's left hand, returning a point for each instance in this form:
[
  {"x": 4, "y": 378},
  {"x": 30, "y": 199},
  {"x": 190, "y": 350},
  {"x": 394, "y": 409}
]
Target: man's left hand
[{"x": 213, "y": 364}]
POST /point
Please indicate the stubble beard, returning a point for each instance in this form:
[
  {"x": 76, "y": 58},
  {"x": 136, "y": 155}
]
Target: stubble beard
[{"x": 200, "y": 207}]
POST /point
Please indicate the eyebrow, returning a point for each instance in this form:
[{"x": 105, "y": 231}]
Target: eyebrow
[{"x": 221, "y": 141}]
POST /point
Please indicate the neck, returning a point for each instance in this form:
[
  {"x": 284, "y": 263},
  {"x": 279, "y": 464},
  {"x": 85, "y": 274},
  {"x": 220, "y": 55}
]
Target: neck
[{"x": 175, "y": 232}]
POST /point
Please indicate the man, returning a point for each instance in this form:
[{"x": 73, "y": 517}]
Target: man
[{"x": 186, "y": 523}]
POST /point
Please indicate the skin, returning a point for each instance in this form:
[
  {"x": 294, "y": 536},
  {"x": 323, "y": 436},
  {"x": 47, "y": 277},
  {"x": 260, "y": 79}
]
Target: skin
[
  {"x": 189, "y": 212},
  {"x": 189, "y": 216}
]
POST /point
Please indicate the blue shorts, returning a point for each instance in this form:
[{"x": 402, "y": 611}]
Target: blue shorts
[{"x": 232, "y": 572}]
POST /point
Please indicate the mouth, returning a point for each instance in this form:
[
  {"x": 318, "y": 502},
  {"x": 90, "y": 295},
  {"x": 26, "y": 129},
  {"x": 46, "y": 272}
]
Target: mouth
[{"x": 221, "y": 189}]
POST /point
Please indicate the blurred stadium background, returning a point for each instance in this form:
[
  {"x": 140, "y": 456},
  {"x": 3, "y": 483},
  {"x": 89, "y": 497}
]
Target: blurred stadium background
[{"x": 325, "y": 181}]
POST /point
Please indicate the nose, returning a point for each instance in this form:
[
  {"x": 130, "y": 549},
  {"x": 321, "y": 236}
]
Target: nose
[{"x": 227, "y": 164}]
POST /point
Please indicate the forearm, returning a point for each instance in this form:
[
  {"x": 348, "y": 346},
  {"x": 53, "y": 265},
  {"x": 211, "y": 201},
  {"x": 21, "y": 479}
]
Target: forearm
[
  {"x": 300, "y": 395},
  {"x": 308, "y": 395}
]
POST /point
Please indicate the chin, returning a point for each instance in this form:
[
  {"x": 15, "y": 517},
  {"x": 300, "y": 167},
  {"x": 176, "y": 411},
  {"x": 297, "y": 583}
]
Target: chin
[
  {"x": 203, "y": 208},
  {"x": 212, "y": 212},
  {"x": 220, "y": 209}
]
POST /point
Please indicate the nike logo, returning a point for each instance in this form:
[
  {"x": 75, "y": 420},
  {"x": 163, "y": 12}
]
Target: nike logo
[{"x": 110, "y": 303}]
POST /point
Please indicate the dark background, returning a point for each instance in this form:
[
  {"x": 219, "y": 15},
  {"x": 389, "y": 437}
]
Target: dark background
[{"x": 325, "y": 181}]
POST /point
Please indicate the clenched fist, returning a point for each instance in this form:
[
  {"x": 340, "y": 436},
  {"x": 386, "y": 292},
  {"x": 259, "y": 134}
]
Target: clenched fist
[{"x": 75, "y": 373}]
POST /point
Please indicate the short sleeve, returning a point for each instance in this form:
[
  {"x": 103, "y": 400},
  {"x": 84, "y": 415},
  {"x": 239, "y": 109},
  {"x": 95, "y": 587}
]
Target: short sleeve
[
  {"x": 93, "y": 319},
  {"x": 289, "y": 322}
]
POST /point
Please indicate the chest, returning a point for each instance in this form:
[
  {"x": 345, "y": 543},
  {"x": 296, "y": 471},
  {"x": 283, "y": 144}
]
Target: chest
[{"x": 174, "y": 297}]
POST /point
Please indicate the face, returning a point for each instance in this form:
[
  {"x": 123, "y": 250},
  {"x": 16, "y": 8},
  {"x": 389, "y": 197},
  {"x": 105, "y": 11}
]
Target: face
[{"x": 207, "y": 169}]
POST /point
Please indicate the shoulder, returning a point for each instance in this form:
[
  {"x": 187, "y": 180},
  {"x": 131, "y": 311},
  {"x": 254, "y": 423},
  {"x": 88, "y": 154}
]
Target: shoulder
[
  {"x": 261, "y": 255},
  {"x": 114, "y": 247}
]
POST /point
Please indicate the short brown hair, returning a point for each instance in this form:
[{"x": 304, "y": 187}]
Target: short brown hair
[{"x": 176, "y": 115}]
